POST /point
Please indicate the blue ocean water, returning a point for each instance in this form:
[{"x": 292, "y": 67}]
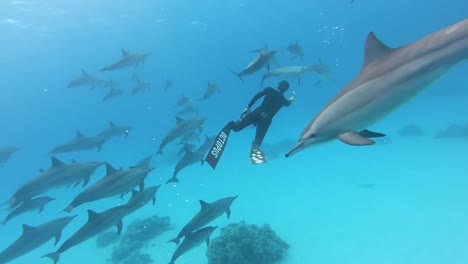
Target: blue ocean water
[{"x": 402, "y": 200}]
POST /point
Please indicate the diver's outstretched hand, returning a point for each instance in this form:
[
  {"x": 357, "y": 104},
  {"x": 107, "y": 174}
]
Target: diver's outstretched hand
[{"x": 293, "y": 96}]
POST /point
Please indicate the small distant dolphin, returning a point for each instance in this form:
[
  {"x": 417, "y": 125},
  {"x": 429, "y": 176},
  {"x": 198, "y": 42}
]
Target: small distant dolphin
[
  {"x": 58, "y": 175},
  {"x": 97, "y": 223},
  {"x": 388, "y": 78},
  {"x": 193, "y": 240},
  {"x": 207, "y": 213},
  {"x": 113, "y": 93},
  {"x": 115, "y": 183},
  {"x": 263, "y": 60},
  {"x": 191, "y": 157},
  {"x": 114, "y": 130},
  {"x": 211, "y": 89},
  {"x": 87, "y": 79},
  {"x": 81, "y": 142},
  {"x": 30, "y": 205},
  {"x": 296, "y": 50},
  {"x": 34, "y": 237},
  {"x": 141, "y": 86},
  {"x": 168, "y": 85},
  {"x": 295, "y": 72},
  {"x": 183, "y": 127},
  {"x": 141, "y": 198},
  {"x": 183, "y": 100},
  {"x": 188, "y": 109},
  {"x": 6, "y": 152},
  {"x": 127, "y": 60}
]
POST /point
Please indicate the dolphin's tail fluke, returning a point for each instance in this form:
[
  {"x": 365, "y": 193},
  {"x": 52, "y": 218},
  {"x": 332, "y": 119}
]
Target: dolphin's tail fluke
[
  {"x": 54, "y": 256},
  {"x": 160, "y": 152},
  {"x": 175, "y": 240},
  {"x": 236, "y": 74},
  {"x": 173, "y": 179}
]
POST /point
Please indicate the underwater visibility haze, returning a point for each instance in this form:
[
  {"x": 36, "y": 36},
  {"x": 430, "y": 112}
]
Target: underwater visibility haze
[{"x": 246, "y": 132}]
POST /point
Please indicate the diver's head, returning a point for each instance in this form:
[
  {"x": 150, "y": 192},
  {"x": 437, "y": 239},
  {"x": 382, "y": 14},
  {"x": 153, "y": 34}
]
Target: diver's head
[{"x": 283, "y": 86}]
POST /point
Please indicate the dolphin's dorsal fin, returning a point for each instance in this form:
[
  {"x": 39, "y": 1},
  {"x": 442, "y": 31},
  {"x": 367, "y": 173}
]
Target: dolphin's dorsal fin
[
  {"x": 56, "y": 162},
  {"x": 179, "y": 119},
  {"x": 134, "y": 192},
  {"x": 79, "y": 135},
  {"x": 27, "y": 229},
  {"x": 374, "y": 49},
  {"x": 110, "y": 169},
  {"x": 83, "y": 72},
  {"x": 203, "y": 204},
  {"x": 124, "y": 52},
  {"x": 92, "y": 215}
]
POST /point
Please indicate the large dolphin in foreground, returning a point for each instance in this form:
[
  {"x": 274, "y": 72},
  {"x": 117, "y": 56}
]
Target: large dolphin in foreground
[
  {"x": 388, "y": 78},
  {"x": 34, "y": 237},
  {"x": 128, "y": 59}
]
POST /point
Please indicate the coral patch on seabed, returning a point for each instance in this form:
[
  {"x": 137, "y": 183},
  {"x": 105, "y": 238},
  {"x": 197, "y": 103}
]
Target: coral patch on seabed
[
  {"x": 138, "y": 237},
  {"x": 241, "y": 243}
]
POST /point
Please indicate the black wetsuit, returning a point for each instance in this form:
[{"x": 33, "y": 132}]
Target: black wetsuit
[{"x": 262, "y": 116}]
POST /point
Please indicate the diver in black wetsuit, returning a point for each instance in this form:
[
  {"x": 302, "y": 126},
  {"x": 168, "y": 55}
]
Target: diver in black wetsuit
[{"x": 262, "y": 116}]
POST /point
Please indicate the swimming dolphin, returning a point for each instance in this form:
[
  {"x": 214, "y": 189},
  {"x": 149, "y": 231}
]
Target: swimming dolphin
[
  {"x": 183, "y": 100},
  {"x": 295, "y": 72},
  {"x": 263, "y": 60},
  {"x": 81, "y": 142},
  {"x": 141, "y": 86},
  {"x": 115, "y": 183},
  {"x": 388, "y": 78},
  {"x": 87, "y": 79},
  {"x": 144, "y": 163},
  {"x": 30, "y": 205},
  {"x": 211, "y": 89},
  {"x": 191, "y": 157},
  {"x": 141, "y": 198},
  {"x": 128, "y": 59},
  {"x": 34, "y": 237},
  {"x": 207, "y": 213},
  {"x": 114, "y": 130},
  {"x": 188, "y": 109},
  {"x": 168, "y": 85},
  {"x": 6, "y": 152},
  {"x": 58, "y": 175},
  {"x": 296, "y": 50},
  {"x": 193, "y": 240},
  {"x": 183, "y": 127},
  {"x": 113, "y": 93},
  {"x": 97, "y": 223}
]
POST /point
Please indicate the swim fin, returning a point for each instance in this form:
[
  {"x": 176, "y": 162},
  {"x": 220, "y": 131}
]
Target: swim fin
[
  {"x": 217, "y": 148},
  {"x": 256, "y": 155}
]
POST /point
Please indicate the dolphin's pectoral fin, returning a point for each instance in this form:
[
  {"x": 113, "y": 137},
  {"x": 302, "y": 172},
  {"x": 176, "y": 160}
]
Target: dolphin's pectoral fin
[
  {"x": 41, "y": 209},
  {"x": 142, "y": 185},
  {"x": 268, "y": 67},
  {"x": 154, "y": 200},
  {"x": 86, "y": 180},
  {"x": 355, "y": 139},
  {"x": 228, "y": 212},
  {"x": 299, "y": 81},
  {"x": 119, "y": 227},
  {"x": 208, "y": 241},
  {"x": 370, "y": 134},
  {"x": 58, "y": 236}
]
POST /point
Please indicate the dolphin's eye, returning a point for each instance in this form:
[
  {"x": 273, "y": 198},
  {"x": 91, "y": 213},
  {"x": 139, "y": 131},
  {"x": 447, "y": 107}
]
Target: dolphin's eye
[{"x": 312, "y": 135}]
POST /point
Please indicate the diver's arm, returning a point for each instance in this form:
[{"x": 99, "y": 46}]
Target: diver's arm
[{"x": 256, "y": 97}]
